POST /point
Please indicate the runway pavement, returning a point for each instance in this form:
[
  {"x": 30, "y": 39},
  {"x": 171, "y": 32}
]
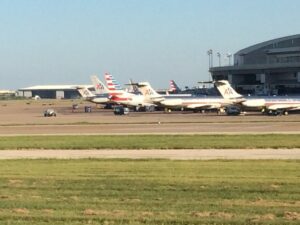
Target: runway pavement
[
  {"x": 162, "y": 128},
  {"x": 26, "y": 118},
  {"x": 229, "y": 154}
]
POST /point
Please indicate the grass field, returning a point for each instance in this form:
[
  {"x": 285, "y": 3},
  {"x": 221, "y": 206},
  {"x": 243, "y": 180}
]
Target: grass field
[
  {"x": 152, "y": 142},
  {"x": 149, "y": 192}
]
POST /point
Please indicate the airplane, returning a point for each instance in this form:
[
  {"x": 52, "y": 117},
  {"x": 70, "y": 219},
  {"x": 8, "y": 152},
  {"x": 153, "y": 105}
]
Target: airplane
[
  {"x": 101, "y": 97},
  {"x": 173, "y": 102},
  {"x": 173, "y": 91},
  {"x": 269, "y": 105},
  {"x": 132, "y": 88},
  {"x": 173, "y": 87},
  {"x": 120, "y": 96}
]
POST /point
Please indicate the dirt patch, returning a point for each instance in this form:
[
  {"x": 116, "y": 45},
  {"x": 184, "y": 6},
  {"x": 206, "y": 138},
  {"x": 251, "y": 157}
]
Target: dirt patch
[
  {"x": 265, "y": 217},
  {"x": 222, "y": 215},
  {"x": 114, "y": 213},
  {"x": 268, "y": 216},
  {"x": 21, "y": 211},
  {"x": 292, "y": 215},
  {"x": 274, "y": 186},
  {"x": 15, "y": 181},
  {"x": 89, "y": 212},
  {"x": 4, "y": 196},
  {"x": 200, "y": 214}
]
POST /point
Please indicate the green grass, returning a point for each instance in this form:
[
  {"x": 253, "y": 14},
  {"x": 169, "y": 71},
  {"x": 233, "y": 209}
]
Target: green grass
[
  {"x": 152, "y": 142},
  {"x": 149, "y": 192}
]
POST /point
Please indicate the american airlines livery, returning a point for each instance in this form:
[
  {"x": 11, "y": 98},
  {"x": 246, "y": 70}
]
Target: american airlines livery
[
  {"x": 194, "y": 103},
  {"x": 102, "y": 97},
  {"x": 173, "y": 87},
  {"x": 270, "y": 105},
  {"x": 119, "y": 96}
]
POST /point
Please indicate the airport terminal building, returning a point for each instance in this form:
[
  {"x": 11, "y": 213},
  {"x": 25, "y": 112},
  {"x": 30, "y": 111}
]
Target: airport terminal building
[{"x": 267, "y": 68}]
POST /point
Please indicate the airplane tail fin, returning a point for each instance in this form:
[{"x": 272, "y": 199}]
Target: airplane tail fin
[
  {"x": 173, "y": 86},
  {"x": 111, "y": 82},
  {"x": 100, "y": 88},
  {"x": 132, "y": 87},
  {"x": 148, "y": 92},
  {"x": 226, "y": 90},
  {"x": 84, "y": 92}
]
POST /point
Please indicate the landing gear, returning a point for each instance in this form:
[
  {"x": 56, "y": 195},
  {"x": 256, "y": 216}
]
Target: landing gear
[
  {"x": 278, "y": 112},
  {"x": 150, "y": 108},
  {"x": 221, "y": 110},
  {"x": 168, "y": 110}
]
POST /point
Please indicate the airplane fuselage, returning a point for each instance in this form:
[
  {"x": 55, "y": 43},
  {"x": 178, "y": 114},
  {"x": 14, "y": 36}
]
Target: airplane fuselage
[
  {"x": 273, "y": 103},
  {"x": 195, "y": 102}
]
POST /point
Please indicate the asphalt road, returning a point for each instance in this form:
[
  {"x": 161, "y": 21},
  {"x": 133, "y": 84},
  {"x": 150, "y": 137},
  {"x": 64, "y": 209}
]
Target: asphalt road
[{"x": 230, "y": 154}]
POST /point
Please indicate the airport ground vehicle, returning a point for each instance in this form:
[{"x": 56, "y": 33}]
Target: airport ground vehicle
[
  {"x": 121, "y": 110},
  {"x": 49, "y": 113},
  {"x": 233, "y": 110}
]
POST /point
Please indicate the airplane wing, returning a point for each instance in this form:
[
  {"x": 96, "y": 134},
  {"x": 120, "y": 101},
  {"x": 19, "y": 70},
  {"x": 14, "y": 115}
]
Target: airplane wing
[
  {"x": 157, "y": 99},
  {"x": 149, "y": 104},
  {"x": 203, "y": 106}
]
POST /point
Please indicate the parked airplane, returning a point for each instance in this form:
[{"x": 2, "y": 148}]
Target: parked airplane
[
  {"x": 270, "y": 105},
  {"x": 194, "y": 103},
  {"x": 132, "y": 88},
  {"x": 173, "y": 87},
  {"x": 101, "y": 97},
  {"x": 119, "y": 96}
]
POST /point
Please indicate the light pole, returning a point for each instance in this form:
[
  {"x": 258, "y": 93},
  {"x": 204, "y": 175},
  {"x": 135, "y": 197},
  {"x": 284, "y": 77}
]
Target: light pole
[
  {"x": 210, "y": 57},
  {"x": 229, "y": 55},
  {"x": 210, "y": 61},
  {"x": 219, "y": 56}
]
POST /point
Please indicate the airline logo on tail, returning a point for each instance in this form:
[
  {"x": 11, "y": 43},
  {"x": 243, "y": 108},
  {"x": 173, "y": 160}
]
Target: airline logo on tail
[
  {"x": 100, "y": 88},
  {"x": 226, "y": 90},
  {"x": 149, "y": 92},
  {"x": 84, "y": 92}
]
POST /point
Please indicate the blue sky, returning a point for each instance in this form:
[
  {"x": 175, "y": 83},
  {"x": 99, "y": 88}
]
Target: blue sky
[{"x": 66, "y": 41}]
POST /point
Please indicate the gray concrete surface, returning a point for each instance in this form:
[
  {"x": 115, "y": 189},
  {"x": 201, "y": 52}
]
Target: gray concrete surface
[{"x": 231, "y": 154}]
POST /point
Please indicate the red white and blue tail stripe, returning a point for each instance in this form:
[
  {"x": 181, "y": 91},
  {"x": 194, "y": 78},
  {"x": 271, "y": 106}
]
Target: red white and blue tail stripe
[
  {"x": 111, "y": 82},
  {"x": 173, "y": 86}
]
